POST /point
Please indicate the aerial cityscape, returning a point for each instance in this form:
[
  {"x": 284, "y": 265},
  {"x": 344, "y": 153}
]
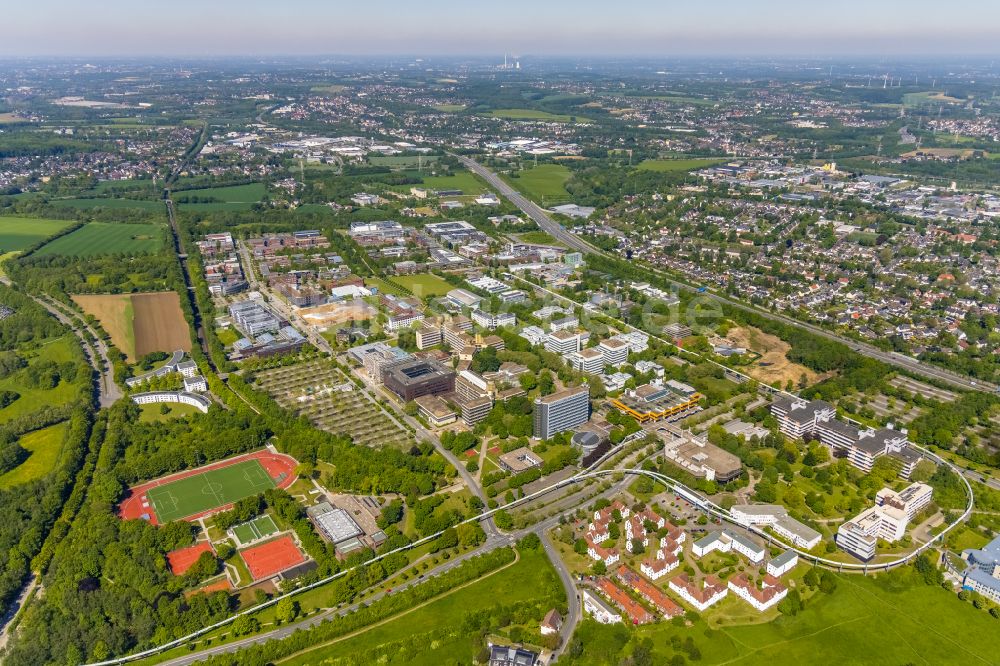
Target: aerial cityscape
[{"x": 621, "y": 335}]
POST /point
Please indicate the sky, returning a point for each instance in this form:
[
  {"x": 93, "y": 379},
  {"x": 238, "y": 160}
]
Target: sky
[{"x": 485, "y": 27}]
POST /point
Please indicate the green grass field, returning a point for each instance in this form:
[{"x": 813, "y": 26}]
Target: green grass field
[
  {"x": 544, "y": 183},
  {"x": 460, "y": 180},
  {"x": 402, "y": 161},
  {"x": 88, "y": 204},
  {"x": 151, "y": 413},
  {"x": 44, "y": 446},
  {"x": 57, "y": 350},
  {"x": 534, "y": 114},
  {"x": 862, "y": 622},
  {"x": 236, "y": 197},
  {"x": 385, "y": 286},
  {"x": 17, "y": 233},
  {"x": 97, "y": 238},
  {"x": 679, "y": 164},
  {"x": 423, "y": 285},
  {"x": 449, "y": 108},
  {"x": 437, "y": 626},
  {"x": 208, "y": 490},
  {"x": 258, "y": 528},
  {"x": 538, "y": 237}
]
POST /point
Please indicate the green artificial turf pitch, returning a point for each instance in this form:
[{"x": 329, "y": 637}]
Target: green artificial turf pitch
[
  {"x": 258, "y": 528},
  {"x": 208, "y": 490}
]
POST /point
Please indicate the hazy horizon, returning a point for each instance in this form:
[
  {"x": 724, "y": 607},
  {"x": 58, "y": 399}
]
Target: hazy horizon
[{"x": 851, "y": 28}]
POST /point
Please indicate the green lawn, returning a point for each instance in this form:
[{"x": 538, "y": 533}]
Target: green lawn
[
  {"x": 861, "y": 623},
  {"x": 151, "y": 413},
  {"x": 57, "y": 350},
  {"x": 17, "y": 233},
  {"x": 208, "y": 490},
  {"x": 233, "y": 198},
  {"x": 679, "y": 164},
  {"x": 384, "y": 286},
  {"x": 543, "y": 183},
  {"x": 44, "y": 446},
  {"x": 534, "y": 114},
  {"x": 436, "y": 629},
  {"x": 449, "y": 108},
  {"x": 97, "y": 238},
  {"x": 155, "y": 206},
  {"x": 407, "y": 161},
  {"x": 423, "y": 285},
  {"x": 460, "y": 180},
  {"x": 539, "y": 238}
]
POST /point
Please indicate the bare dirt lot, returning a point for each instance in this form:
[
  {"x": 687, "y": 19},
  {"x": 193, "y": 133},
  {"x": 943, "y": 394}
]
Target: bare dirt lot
[
  {"x": 159, "y": 323},
  {"x": 140, "y": 323},
  {"x": 773, "y": 367},
  {"x": 114, "y": 312}
]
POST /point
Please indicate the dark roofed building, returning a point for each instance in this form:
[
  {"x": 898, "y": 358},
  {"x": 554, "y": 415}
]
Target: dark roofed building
[{"x": 414, "y": 377}]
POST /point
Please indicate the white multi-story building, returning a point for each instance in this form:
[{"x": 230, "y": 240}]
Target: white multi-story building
[
  {"x": 569, "y": 323},
  {"x": 493, "y": 320},
  {"x": 770, "y": 593},
  {"x": 589, "y": 361},
  {"x": 615, "y": 352},
  {"x": 563, "y": 342},
  {"x": 658, "y": 567},
  {"x": 534, "y": 335},
  {"x": 725, "y": 541},
  {"x": 599, "y": 609},
  {"x": 910, "y": 500},
  {"x": 701, "y": 598},
  {"x": 782, "y": 564},
  {"x": 860, "y": 535},
  {"x": 776, "y": 517},
  {"x": 405, "y": 320}
]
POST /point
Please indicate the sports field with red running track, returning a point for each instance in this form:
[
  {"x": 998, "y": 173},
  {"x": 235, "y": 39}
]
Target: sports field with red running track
[
  {"x": 182, "y": 559},
  {"x": 280, "y": 467},
  {"x": 272, "y": 558}
]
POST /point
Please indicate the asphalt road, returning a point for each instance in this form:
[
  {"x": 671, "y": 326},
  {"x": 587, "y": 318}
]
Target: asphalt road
[
  {"x": 557, "y": 231},
  {"x": 572, "y": 595},
  {"x": 108, "y": 392}
]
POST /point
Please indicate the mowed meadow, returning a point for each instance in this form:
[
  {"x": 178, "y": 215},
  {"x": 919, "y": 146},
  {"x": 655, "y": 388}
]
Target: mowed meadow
[
  {"x": 140, "y": 323},
  {"x": 100, "y": 238}
]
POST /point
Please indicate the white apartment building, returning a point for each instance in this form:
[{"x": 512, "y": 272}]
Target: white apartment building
[
  {"x": 726, "y": 541},
  {"x": 599, "y": 609},
  {"x": 770, "y": 593},
  {"x": 910, "y": 500},
  {"x": 782, "y": 564},
  {"x": 776, "y": 517},
  {"x": 659, "y": 566},
  {"x": 859, "y": 536},
  {"x": 712, "y": 591}
]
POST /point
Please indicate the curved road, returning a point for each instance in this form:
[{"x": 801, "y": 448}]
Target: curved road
[{"x": 556, "y": 230}]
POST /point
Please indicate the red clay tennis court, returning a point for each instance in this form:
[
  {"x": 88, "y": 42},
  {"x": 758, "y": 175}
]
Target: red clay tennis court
[
  {"x": 272, "y": 557},
  {"x": 182, "y": 559}
]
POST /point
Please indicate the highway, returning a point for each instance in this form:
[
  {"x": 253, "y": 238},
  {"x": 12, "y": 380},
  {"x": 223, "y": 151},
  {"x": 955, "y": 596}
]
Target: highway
[{"x": 573, "y": 241}]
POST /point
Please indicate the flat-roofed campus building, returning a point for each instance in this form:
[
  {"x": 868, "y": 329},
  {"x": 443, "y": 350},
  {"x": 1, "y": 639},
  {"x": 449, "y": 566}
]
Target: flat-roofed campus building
[
  {"x": 983, "y": 572},
  {"x": 414, "y": 377},
  {"x": 886, "y": 520},
  {"x": 658, "y": 401},
  {"x": 699, "y": 457},
  {"x": 519, "y": 460},
  {"x": 561, "y": 411},
  {"x": 435, "y": 410},
  {"x": 817, "y": 419},
  {"x": 334, "y": 523},
  {"x": 776, "y": 517}
]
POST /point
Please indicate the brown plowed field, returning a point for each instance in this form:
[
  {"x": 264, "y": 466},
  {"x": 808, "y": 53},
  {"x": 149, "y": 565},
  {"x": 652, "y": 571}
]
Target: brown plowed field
[
  {"x": 159, "y": 323},
  {"x": 140, "y": 323}
]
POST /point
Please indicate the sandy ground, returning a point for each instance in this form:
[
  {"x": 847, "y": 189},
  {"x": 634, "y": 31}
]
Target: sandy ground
[
  {"x": 114, "y": 312},
  {"x": 777, "y": 369}
]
